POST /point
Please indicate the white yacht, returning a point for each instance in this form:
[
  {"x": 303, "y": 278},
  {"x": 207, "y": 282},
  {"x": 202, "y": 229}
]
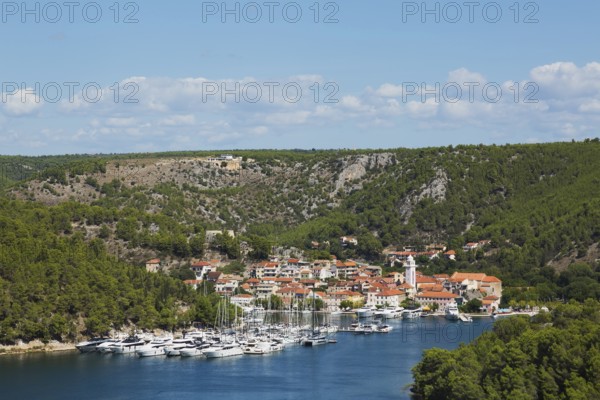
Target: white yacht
[
  {"x": 412, "y": 314},
  {"x": 452, "y": 312},
  {"x": 127, "y": 346},
  {"x": 90, "y": 346},
  {"x": 224, "y": 350},
  {"x": 174, "y": 348},
  {"x": 392, "y": 312},
  {"x": 315, "y": 339},
  {"x": 196, "y": 351},
  {"x": 259, "y": 347},
  {"x": 366, "y": 311},
  {"x": 106, "y": 347},
  {"x": 156, "y": 347}
]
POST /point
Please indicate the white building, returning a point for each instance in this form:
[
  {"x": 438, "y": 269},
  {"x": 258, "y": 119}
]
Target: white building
[{"x": 410, "y": 276}]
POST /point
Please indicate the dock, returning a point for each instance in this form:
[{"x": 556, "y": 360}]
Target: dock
[{"x": 465, "y": 318}]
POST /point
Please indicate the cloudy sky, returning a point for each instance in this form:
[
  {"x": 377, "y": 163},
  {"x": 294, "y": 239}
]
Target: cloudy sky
[{"x": 106, "y": 76}]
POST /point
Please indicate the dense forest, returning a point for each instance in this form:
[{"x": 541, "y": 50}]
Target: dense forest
[
  {"x": 56, "y": 285},
  {"x": 553, "y": 356}
]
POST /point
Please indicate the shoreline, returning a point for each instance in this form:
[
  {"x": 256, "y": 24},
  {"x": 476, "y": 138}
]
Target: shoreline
[{"x": 36, "y": 346}]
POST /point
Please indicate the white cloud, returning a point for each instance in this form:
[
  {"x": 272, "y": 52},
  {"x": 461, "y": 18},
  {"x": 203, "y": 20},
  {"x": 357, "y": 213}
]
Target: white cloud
[
  {"x": 178, "y": 113},
  {"x": 389, "y": 90},
  {"x": 179, "y": 120},
  {"x": 22, "y": 102}
]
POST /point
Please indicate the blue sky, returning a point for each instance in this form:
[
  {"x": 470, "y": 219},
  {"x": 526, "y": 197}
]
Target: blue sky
[{"x": 349, "y": 83}]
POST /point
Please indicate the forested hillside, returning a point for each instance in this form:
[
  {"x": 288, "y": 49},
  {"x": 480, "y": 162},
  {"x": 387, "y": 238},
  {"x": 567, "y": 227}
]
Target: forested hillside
[
  {"x": 56, "y": 284},
  {"x": 76, "y": 226},
  {"x": 553, "y": 356}
]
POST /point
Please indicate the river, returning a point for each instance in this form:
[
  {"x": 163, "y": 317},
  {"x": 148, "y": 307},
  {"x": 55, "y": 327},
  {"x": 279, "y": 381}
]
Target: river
[{"x": 376, "y": 366}]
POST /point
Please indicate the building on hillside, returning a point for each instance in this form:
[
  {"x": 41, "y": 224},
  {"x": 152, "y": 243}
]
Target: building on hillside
[
  {"x": 242, "y": 300},
  {"x": 210, "y": 236},
  {"x": 398, "y": 277},
  {"x": 213, "y": 276},
  {"x": 490, "y": 304},
  {"x": 335, "y": 298},
  {"x": 194, "y": 283},
  {"x": 346, "y": 270},
  {"x": 348, "y": 240},
  {"x": 494, "y": 284},
  {"x": 264, "y": 290},
  {"x": 462, "y": 282},
  {"x": 450, "y": 255},
  {"x": 425, "y": 281},
  {"x": 202, "y": 268},
  {"x": 388, "y": 298},
  {"x": 153, "y": 265},
  {"x": 226, "y": 287},
  {"x": 442, "y": 299},
  {"x": 375, "y": 270}
]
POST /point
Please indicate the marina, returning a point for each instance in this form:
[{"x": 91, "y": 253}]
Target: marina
[{"x": 349, "y": 368}]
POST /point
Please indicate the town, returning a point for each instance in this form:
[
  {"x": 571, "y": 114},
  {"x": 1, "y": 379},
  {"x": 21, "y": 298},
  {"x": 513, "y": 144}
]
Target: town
[{"x": 333, "y": 285}]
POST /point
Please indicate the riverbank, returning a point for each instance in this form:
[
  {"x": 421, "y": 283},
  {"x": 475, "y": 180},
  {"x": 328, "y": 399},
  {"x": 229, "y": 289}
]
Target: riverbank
[{"x": 36, "y": 346}]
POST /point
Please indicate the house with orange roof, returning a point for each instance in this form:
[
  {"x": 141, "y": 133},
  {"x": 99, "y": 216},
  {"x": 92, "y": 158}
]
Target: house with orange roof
[
  {"x": 442, "y": 299},
  {"x": 153, "y": 265},
  {"x": 305, "y": 274},
  {"x": 464, "y": 282},
  {"x": 471, "y": 246},
  {"x": 264, "y": 290},
  {"x": 287, "y": 294},
  {"x": 490, "y": 304},
  {"x": 202, "y": 269},
  {"x": 494, "y": 284},
  {"x": 346, "y": 270},
  {"x": 408, "y": 289},
  {"x": 265, "y": 268},
  {"x": 400, "y": 256},
  {"x": 334, "y": 299},
  {"x": 450, "y": 254},
  {"x": 226, "y": 287},
  {"x": 242, "y": 300},
  {"x": 349, "y": 241},
  {"x": 425, "y": 280}
]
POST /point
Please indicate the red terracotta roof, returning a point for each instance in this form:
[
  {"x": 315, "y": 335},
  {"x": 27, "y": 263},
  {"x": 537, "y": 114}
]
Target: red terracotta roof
[
  {"x": 438, "y": 295},
  {"x": 491, "y": 279},
  {"x": 473, "y": 276}
]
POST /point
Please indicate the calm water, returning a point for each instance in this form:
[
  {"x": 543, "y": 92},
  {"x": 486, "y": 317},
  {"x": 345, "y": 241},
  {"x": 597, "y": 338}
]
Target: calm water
[{"x": 362, "y": 367}]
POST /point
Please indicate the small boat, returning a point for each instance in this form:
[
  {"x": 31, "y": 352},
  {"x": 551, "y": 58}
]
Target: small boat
[
  {"x": 332, "y": 341},
  {"x": 383, "y": 328}
]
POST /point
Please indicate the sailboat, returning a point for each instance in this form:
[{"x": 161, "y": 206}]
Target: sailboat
[{"x": 317, "y": 337}]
